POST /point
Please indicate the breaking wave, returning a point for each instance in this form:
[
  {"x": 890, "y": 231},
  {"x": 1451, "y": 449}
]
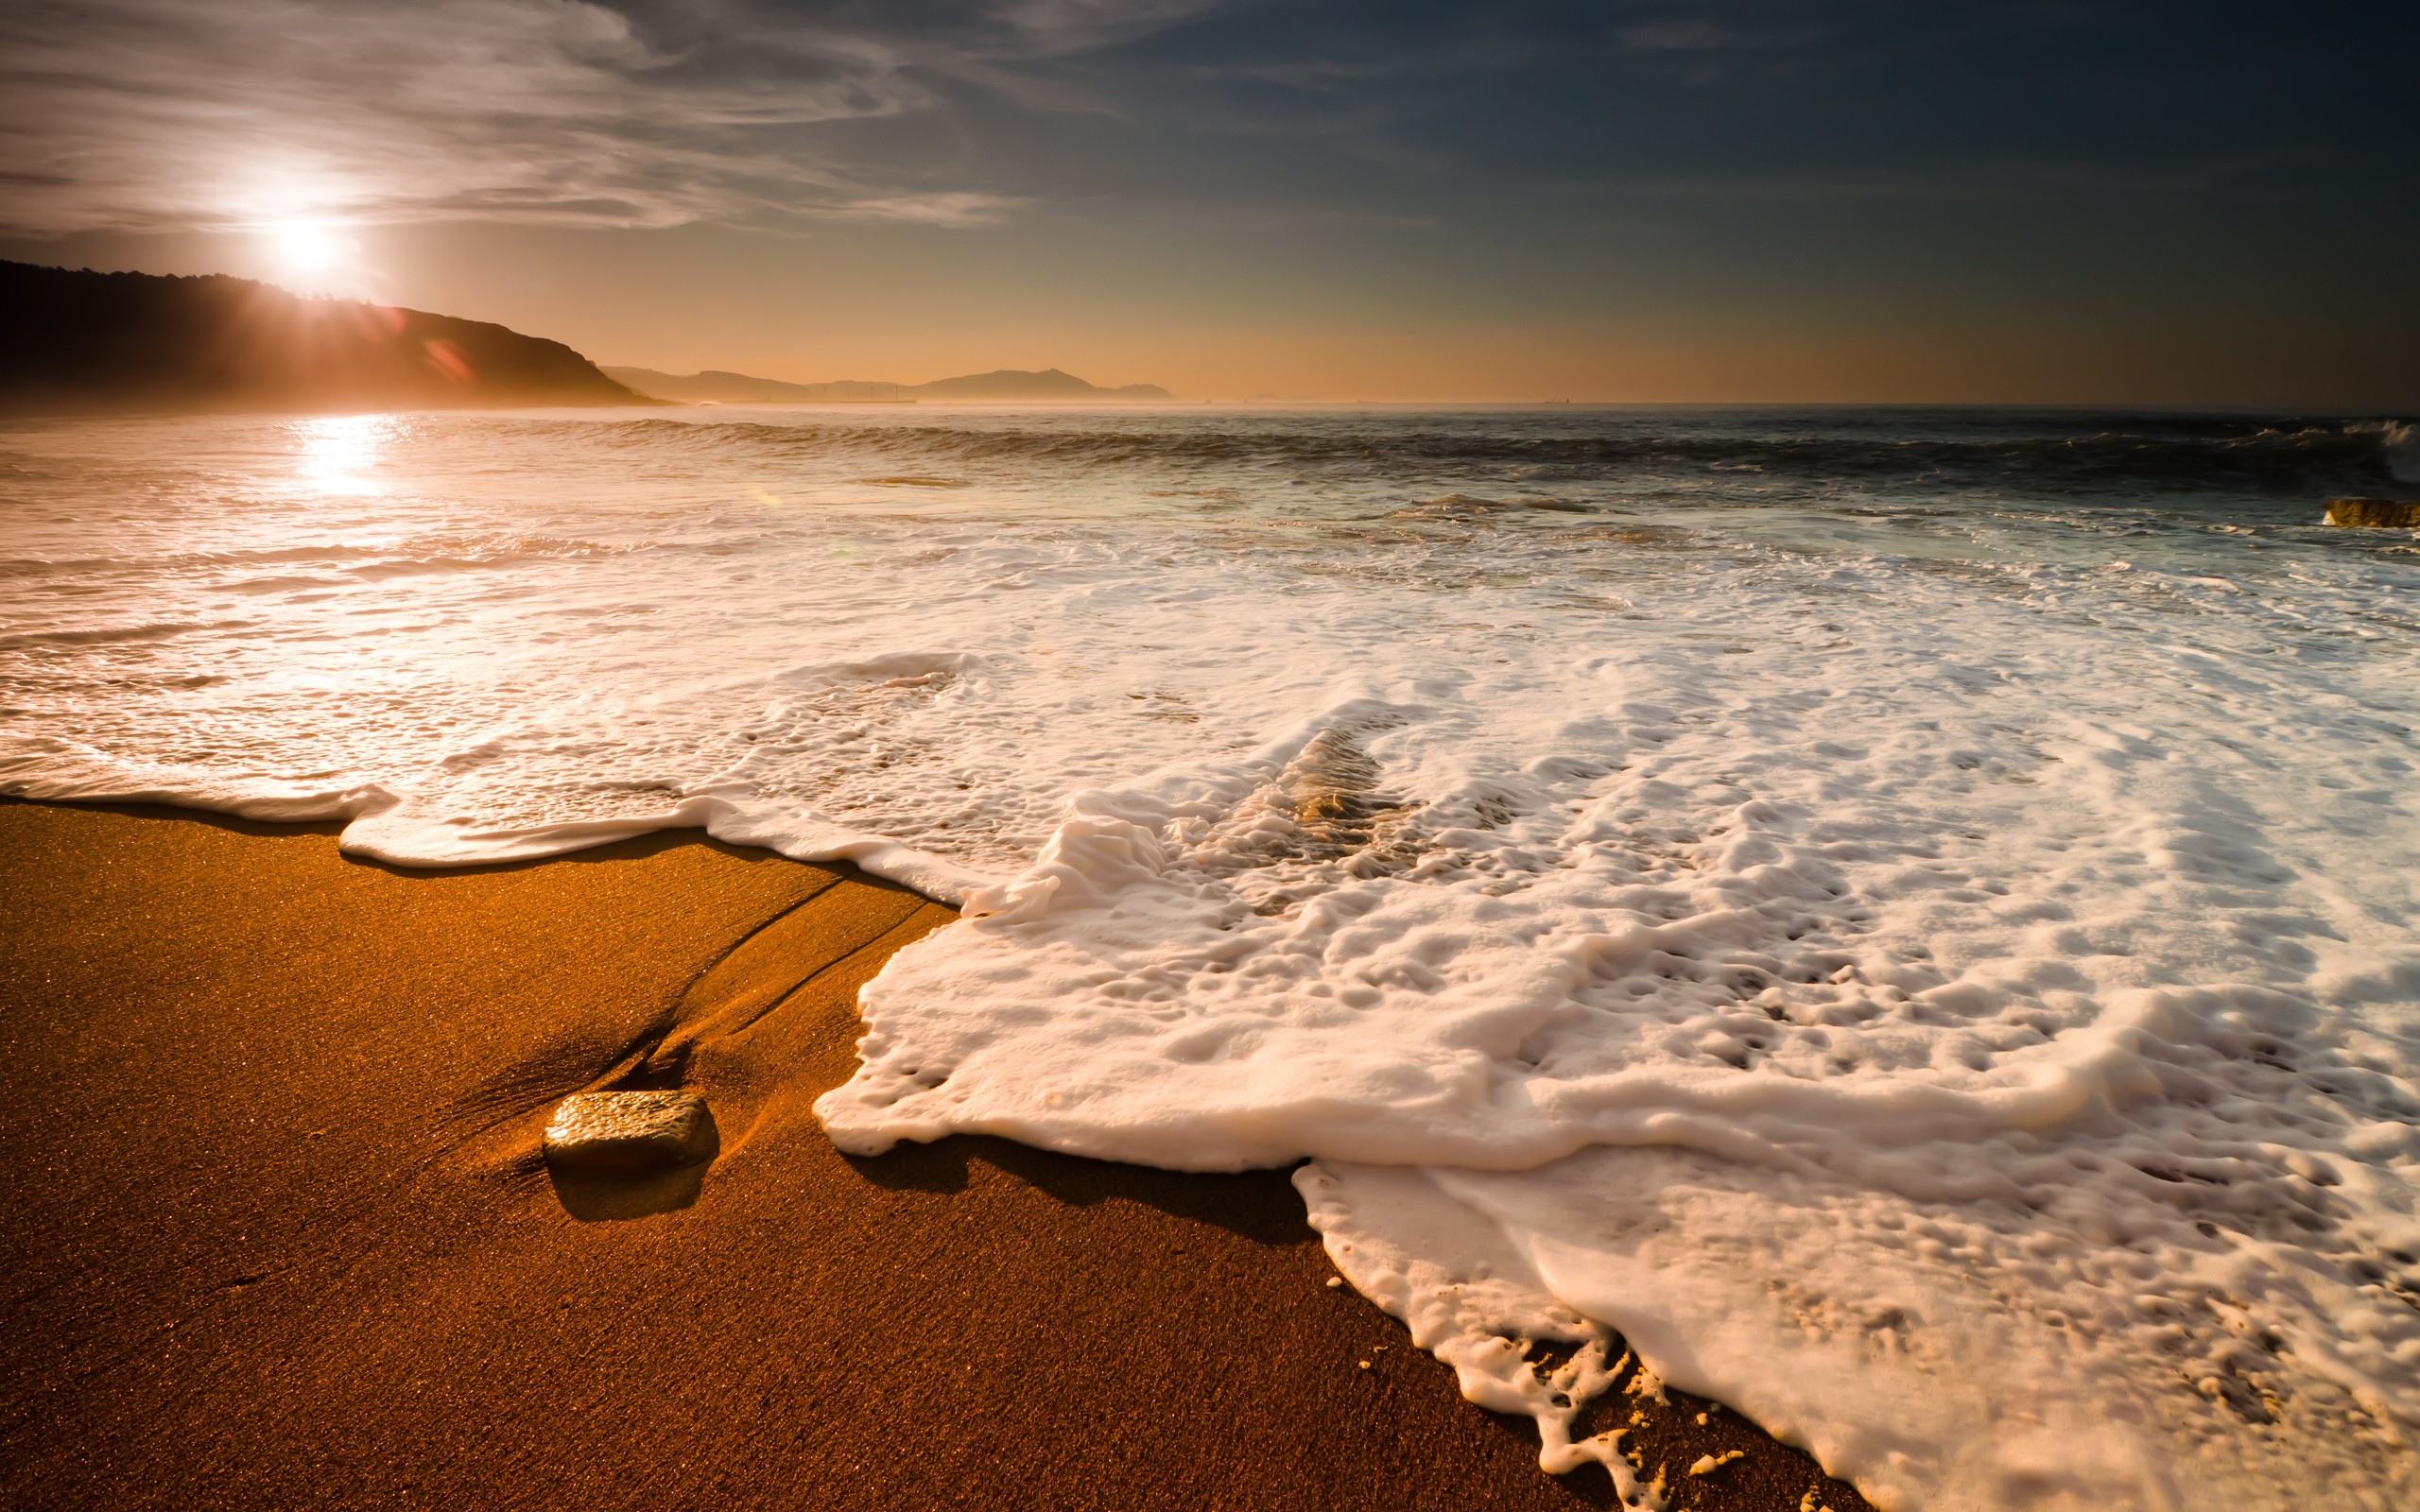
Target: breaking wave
[{"x": 2035, "y": 455}]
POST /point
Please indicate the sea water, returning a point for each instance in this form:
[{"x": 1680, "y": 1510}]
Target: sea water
[{"x": 1906, "y": 917}]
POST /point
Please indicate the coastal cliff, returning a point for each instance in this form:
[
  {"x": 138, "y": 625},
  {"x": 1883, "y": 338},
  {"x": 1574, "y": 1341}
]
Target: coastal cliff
[{"x": 81, "y": 342}]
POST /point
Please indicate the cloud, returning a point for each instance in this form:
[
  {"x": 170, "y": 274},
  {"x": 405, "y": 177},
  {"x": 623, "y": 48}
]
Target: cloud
[
  {"x": 958, "y": 209},
  {"x": 1696, "y": 34},
  {"x": 181, "y": 114},
  {"x": 163, "y": 115},
  {"x": 1058, "y": 26}
]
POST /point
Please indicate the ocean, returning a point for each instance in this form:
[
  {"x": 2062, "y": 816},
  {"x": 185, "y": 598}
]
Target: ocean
[{"x": 1908, "y": 916}]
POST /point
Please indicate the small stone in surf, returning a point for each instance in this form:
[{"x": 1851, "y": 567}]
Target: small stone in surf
[
  {"x": 2391, "y": 513},
  {"x": 629, "y": 1133}
]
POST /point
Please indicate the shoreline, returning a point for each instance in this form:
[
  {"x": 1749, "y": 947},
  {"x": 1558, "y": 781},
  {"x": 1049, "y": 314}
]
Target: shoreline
[
  {"x": 366, "y": 821},
  {"x": 278, "y": 1231}
]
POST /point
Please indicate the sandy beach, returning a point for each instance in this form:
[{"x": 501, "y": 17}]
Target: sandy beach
[
  {"x": 1106, "y": 756},
  {"x": 279, "y": 1234}
]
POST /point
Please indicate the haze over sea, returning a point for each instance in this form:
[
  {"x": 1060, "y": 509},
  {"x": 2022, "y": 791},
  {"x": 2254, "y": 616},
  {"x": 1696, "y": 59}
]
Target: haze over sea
[{"x": 1907, "y": 916}]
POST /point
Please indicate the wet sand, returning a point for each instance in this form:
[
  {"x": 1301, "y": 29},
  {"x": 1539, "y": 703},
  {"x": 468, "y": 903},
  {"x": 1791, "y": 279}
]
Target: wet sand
[{"x": 276, "y": 1231}]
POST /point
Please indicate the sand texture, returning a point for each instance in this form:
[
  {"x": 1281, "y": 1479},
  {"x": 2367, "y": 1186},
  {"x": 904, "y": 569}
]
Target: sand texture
[{"x": 278, "y": 1234}]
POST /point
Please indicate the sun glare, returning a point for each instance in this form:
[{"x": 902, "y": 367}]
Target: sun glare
[
  {"x": 337, "y": 454},
  {"x": 314, "y": 256},
  {"x": 305, "y": 247}
]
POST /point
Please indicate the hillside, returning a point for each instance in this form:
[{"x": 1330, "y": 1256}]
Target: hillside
[
  {"x": 717, "y": 388},
  {"x": 1049, "y": 384},
  {"x": 80, "y": 342}
]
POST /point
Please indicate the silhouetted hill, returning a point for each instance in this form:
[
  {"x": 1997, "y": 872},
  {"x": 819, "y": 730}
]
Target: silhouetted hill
[
  {"x": 738, "y": 388},
  {"x": 1007, "y": 382},
  {"x": 76, "y": 342},
  {"x": 714, "y": 388}
]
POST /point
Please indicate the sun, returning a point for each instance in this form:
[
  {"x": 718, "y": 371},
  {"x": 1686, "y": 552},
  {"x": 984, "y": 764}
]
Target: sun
[
  {"x": 311, "y": 253},
  {"x": 305, "y": 247}
]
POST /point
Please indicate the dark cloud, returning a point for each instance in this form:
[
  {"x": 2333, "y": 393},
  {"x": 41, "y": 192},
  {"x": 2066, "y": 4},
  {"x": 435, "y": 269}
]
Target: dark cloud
[{"x": 1690, "y": 34}]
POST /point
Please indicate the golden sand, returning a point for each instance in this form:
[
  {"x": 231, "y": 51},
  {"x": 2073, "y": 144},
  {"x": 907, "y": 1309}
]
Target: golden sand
[{"x": 277, "y": 1232}]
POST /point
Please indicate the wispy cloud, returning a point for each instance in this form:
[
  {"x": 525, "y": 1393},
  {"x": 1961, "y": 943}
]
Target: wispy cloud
[
  {"x": 1698, "y": 34},
  {"x": 176, "y": 114},
  {"x": 949, "y": 209}
]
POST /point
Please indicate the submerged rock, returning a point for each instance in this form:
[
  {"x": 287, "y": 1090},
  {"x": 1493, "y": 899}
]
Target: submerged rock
[
  {"x": 630, "y": 1132},
  {"x": 2388, "y": 512}
]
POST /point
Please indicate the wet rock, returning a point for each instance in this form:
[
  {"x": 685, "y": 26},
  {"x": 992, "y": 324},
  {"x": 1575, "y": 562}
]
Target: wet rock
[
  {"x": 630, "y": 1133},
  {"x": 2388, "y": 512}
]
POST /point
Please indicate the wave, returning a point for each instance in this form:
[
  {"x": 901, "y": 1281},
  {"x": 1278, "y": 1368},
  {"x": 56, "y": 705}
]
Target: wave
[
  {"x": 362, "y": 561},
  {"x": 2401, "y": 442},
  {"x": 383, "y": 824},
  {"x": 2045, "y": 454}
]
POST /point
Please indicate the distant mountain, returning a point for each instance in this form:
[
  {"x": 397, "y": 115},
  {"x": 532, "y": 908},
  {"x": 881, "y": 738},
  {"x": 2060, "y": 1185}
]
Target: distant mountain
[
  {"x": 1050, "y": 383},
  {"x": 77, "y": 342},
  {"x": 713, "y": 387},
  {"x": 738, "y": 388}
]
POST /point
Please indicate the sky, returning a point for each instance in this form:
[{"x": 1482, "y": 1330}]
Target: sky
[{"x": 2050, "y": 201}]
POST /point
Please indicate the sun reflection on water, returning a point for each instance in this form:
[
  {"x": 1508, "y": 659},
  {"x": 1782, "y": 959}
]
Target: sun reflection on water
[{"x": 337, "y": 453}]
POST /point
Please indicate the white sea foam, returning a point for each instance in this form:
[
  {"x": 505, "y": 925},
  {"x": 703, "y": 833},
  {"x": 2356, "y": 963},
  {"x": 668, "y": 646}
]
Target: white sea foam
[
  {"x": 1931, "y": 965},
  {"x": 2403, "y": 450}
]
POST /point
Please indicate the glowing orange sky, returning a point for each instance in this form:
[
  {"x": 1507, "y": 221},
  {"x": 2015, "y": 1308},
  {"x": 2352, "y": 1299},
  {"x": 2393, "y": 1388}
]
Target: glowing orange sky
[{"x": 700, "y": 298}]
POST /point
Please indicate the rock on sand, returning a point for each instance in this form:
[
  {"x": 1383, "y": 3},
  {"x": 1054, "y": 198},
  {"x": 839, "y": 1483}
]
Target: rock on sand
[{"x": 629, "y": 1132}]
